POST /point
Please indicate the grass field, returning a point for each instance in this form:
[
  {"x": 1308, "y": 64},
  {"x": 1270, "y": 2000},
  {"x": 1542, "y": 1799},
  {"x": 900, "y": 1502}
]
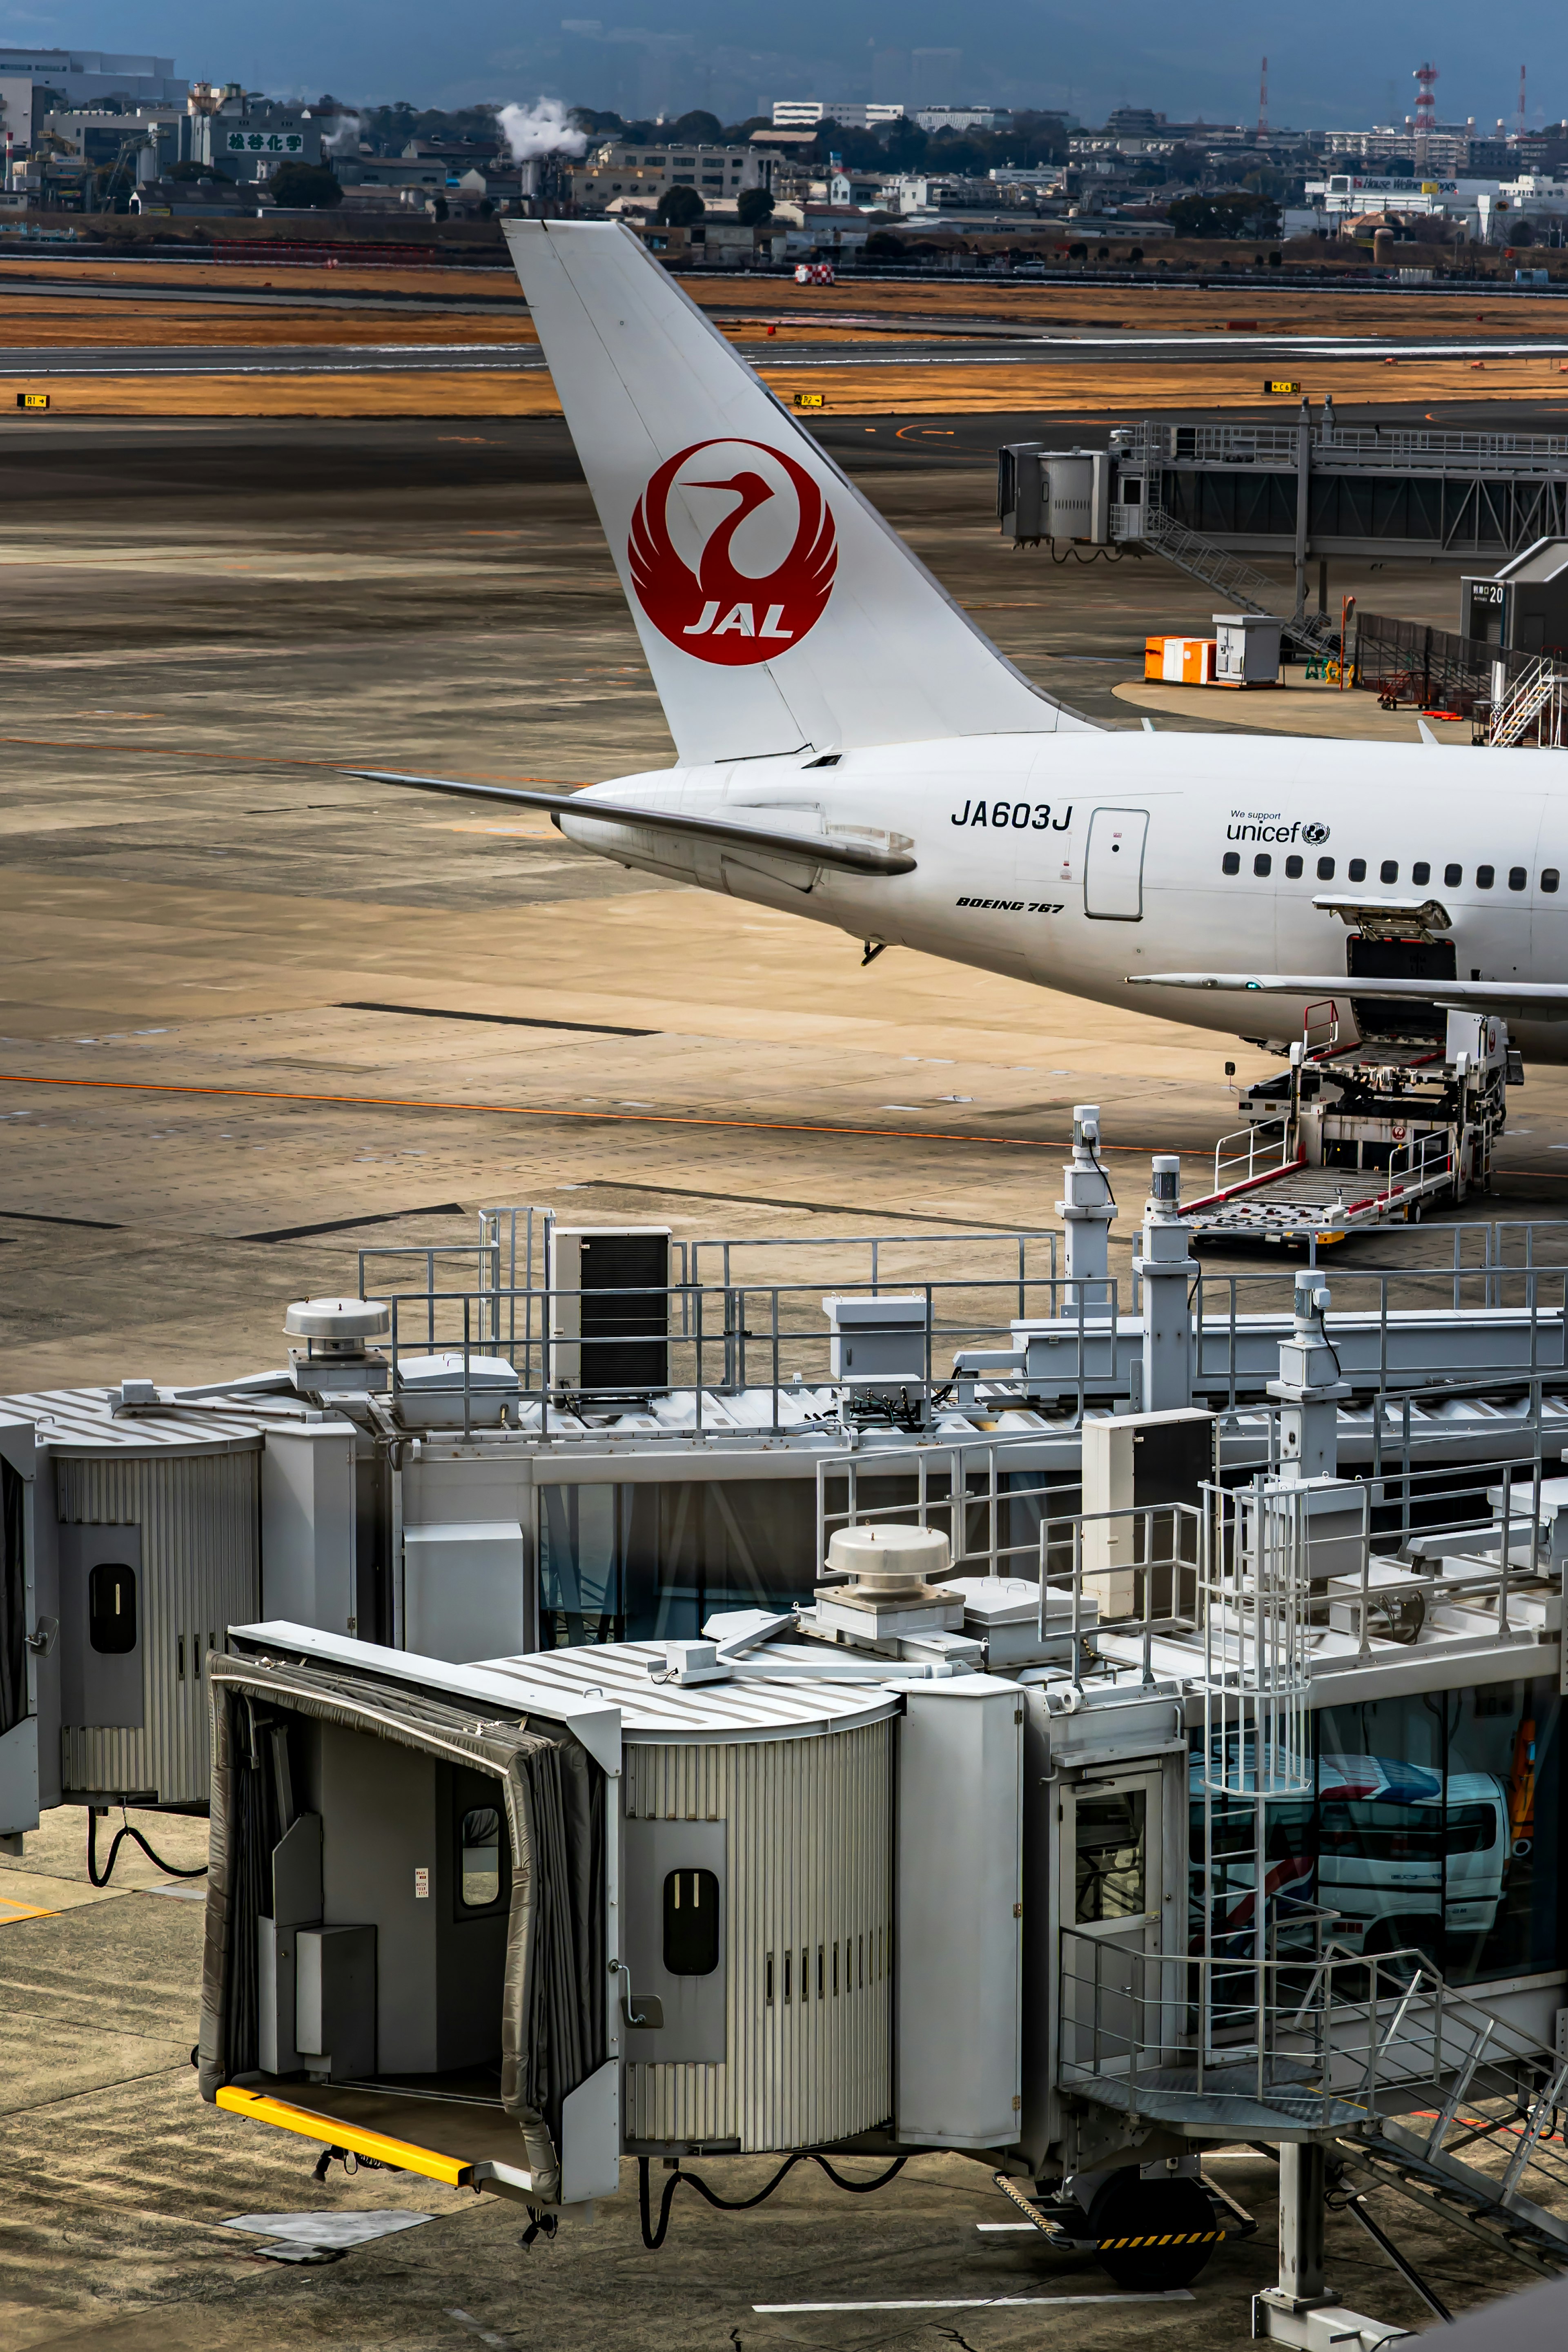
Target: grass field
[{"x": 858, "y": 314}]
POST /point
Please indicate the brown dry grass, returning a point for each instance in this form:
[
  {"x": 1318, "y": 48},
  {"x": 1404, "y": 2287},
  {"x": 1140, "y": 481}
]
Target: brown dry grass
[
  {"x": 37, "y": 321},
  {"x": 17, "y": 267},
  {"x": 897, "y": 389}
]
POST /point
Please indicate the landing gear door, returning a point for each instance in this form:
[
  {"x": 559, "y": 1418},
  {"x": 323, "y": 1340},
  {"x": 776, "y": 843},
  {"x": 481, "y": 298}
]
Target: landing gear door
[
  {"x": 1112, "y": 1904},
  {"x": 1113, "y": 866}
]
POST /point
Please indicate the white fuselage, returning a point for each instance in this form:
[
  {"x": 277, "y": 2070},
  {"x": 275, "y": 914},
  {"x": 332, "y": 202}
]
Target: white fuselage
[{"x": 1077, "y": 860}]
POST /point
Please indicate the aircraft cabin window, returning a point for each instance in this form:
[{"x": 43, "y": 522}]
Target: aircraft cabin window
[
  {"x": 1263, "y": 863},
  {"x": 1485, "y": 876},
  {"x": 1388, "y": 871},
  {"x": 1325, "y": 869},
  {"x": 1421, "y": 871},
  {"x": 1293, "y": 868},
  {"x": 1357, "y": 870},
  {"x": 1517, "y": 878},
  {"x": 1230, "y": 863},
  {"x": 1452, "y": 876},
  {"x": 1548, "y": 878}
]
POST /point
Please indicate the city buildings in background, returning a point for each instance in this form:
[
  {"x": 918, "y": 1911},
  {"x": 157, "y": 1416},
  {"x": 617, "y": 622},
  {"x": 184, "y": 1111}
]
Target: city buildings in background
[{"x": 91, "y": 130}]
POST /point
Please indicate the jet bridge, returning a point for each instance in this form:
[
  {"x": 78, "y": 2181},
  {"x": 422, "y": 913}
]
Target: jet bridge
[
  {"x": 1108, "y": 1889},
  {"x": 1079, "y": 1718}
]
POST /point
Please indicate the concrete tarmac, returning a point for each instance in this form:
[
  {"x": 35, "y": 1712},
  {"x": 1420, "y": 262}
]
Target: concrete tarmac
[{"x": 241, "y": 1037}]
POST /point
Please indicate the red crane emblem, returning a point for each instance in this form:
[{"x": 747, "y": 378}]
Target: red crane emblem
[{"x": 718, "y": 612}]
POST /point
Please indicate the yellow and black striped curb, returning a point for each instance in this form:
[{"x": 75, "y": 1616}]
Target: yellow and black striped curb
[{"x": 1182, "y": 2238}]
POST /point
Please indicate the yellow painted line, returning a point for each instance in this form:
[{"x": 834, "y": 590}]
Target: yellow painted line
[
  {"x": 10, "y": 1910},
  {"x": 453, "y": 2169}
]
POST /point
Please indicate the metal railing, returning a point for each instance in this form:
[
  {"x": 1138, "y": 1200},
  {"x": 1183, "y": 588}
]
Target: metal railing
[
  {"x": 1333, "y": 444},
  {"x": 1229, "y": 574},
  {"x": 1270, "y": 1146},
  {"x": 1337, "y": 2041},
  {"x": 1535, "y": 705},
  {"x": 990, "y": 1503},
  {"x": 764, "y": 1344}
]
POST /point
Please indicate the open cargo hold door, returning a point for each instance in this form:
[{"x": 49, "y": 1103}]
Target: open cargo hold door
[
  {"x": 406, "y": 1946},
  {"x": 1396, "y": 939}
]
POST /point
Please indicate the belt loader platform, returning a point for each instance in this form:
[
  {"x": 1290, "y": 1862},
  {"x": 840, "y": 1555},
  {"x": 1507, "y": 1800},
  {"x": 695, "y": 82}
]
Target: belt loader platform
[{"x": 1362, "y": 1135}]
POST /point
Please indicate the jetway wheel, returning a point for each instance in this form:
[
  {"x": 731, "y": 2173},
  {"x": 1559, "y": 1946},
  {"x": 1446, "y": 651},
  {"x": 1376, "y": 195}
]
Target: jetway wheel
[{"x": 1153, "y": 2234}]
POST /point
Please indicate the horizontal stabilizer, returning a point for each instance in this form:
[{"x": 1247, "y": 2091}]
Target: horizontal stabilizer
[
  {"x": 802, "y": 848},
  {"x": 1525, "y": 1000}
]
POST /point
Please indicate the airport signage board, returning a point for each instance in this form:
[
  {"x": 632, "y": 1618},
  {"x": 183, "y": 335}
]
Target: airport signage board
[
  {"x": 1281, "y": 384},
  {"x": 32, "y": 400}
]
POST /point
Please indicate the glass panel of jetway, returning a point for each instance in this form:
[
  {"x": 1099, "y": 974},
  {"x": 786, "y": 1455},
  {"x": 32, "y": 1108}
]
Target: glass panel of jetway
[{"x": 1433, "y": 1826}]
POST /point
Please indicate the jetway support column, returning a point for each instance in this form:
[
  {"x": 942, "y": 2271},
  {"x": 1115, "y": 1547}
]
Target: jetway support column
[
  {"x": 1088, "y": 1211},
  {"x": 1302, "y": 2310},
  {"x": 1166, "y": 1272},
  {"x": 1308, "y": 1390}
]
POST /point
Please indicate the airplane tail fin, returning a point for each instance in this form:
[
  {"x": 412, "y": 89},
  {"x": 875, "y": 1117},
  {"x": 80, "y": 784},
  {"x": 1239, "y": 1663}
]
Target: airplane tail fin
[{"x": 776, "y": 608}]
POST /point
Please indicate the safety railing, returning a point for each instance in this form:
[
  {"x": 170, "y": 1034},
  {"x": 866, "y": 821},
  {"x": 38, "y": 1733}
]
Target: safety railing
[
  {"x": 1482, "y": 1306},
  {"x": 984, "y": 1494},
  {"x": 1422, "y": 1163},
  {"x": 1332, "y": 443},
  {"x": 1136, "y": 1572},
  {"x": 1315, "y": 2039},
  {"x": 1253, "y": 1153}
]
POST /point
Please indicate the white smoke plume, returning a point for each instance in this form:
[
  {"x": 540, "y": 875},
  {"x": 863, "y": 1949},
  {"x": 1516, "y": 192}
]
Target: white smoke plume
[
  {"x": 540, "y": 130},
  {"x": 344, "y": 139}
]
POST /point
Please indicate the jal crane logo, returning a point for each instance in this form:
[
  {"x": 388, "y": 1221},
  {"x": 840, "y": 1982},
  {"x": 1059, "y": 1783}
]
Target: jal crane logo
[{"x": 746, "y": 583}]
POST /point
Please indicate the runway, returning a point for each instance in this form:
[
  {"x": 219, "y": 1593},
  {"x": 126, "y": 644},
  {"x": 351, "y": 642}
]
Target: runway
[{"x": 1136, "y": 354}]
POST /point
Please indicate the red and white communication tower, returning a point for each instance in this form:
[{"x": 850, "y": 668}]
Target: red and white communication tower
[
  {"x": 1426, "y": 108},
  {"x": 1263, "y": 101}
]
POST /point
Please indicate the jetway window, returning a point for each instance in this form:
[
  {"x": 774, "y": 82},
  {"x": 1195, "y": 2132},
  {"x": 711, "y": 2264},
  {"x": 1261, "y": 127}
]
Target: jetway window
[
  {"x": 1325, "y": 869},
  {"x": 112, "y": 1607},
  {"x": 482, "y": 1874},
  {"x": 691, "y": 1923},
  {"x": 1485, "y": 876},
  {"x": 1388, "y": 871},
  {"x": 1263, "y": 864},
  {"x": 645, "y": 1562},
  {"x": 1420, "y": 872},
  {"x": 1452, "y": 876},
  {"x": 1435, "y": 1825},
  {"x": 1548, "y": 878},
  {"x": 479, "y": 1858},
  {"x": 1230, "y": 863},
  {"x": 1111, "y": 1834},
  {"x": 1517, "y": 878},
  {"x": 1293, "y": 868},
  {"x": 1357, "y": 870}
]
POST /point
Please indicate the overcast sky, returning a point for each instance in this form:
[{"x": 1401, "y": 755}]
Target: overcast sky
[{"x": 1326, "y": 66}]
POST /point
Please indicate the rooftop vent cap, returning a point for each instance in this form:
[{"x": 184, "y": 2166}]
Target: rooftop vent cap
[
  {"x": 337, "y": 1323},
  {"x": 890, "y": 1561}
]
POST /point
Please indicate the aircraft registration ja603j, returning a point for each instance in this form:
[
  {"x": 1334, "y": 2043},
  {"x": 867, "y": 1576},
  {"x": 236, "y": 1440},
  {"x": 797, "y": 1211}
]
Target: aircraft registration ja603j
[{"x": 851, "y": 748}]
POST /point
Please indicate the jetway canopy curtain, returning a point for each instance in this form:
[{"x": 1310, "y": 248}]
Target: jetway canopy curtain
[
  {"x": 551, "y": 2033},
  {"x": 13, "y": 1600}
]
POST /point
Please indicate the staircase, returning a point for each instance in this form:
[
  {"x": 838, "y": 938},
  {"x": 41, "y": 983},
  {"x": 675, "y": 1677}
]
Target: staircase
[
  {"x": 1500, "y": 2095},
  {"x": 1426, "y": 2090},
  {"x": 1231, "y": 577},
  {"x": 1535, "y": 699}
]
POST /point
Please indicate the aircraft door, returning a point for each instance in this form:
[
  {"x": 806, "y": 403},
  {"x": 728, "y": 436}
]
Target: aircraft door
[{"x": 1113, "y": 866}]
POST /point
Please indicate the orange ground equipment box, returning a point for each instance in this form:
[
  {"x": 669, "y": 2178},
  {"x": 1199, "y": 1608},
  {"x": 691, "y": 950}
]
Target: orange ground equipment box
[{"x": 1180, "y": 661}]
